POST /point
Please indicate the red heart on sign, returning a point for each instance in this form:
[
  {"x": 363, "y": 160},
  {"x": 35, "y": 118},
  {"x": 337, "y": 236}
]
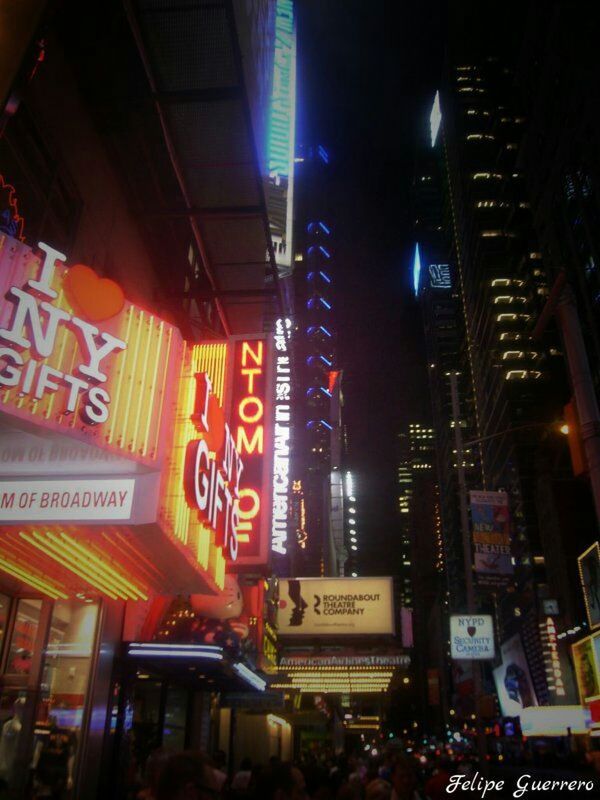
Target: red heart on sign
[{"x": 94, "y": 298}]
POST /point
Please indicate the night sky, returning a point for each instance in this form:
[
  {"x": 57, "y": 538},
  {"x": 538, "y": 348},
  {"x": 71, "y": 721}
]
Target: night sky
[{"x": 366, "y": 85}]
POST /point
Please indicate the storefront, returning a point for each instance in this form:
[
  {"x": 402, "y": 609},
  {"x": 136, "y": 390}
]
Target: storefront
[{"x": 121, "y": 487}]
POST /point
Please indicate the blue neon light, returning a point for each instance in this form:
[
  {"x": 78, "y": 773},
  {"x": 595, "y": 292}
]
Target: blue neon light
[
  {"x": 327, "y": 425},
  {"x": 324, "y": 251},
  {"x": 310, "y": 276},
  {"x": 325, "y": 303},
  {"x": 326, "y": 360},
  {"x": 416, "y": 270},
  {"x": 324, "y": 227},
  {"x": 324, "y": 155},
  {"x": 324, "y": 276},
  {"x": 324, "y": 390},
  {"x": 324, "y": 330}
]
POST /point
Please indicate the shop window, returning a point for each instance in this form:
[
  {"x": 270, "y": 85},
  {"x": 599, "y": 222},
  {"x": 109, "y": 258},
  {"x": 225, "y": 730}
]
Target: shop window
[
  {"x": 64, "y": 685},
  {"x": 23, "y": 637}
]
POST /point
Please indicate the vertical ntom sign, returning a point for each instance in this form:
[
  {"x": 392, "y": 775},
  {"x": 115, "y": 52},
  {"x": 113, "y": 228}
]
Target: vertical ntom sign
[
  {"x": 490, "y": 519},
  {"x": 281, "y": 138},
  {"x": 281, "y": 438},
  {"x": 249, "y": 421}
]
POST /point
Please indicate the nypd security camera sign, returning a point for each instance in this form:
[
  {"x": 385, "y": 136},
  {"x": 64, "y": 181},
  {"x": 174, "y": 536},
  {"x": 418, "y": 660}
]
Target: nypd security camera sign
[{"x": 472, "y": 637}]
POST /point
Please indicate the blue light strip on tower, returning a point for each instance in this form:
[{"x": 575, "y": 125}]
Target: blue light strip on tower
[
  {"x": 416, "y": 270},
  {"x": 324, "y": 251},
  {"x": 326, "y": 360},
  {"x": 327, "y": 425},
  {"x": 325, "y": 303},
  {"x": 324, "y": 276},
  {"x": 325, "y": 228},
  {"x": 321, "y": 328}
]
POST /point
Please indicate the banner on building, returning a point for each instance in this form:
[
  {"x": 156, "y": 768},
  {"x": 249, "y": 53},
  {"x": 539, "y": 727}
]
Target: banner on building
[
  {"x": 335, "y": 606},
  {"x": 513, "y": 679},
  {"x": 490, "y": 519}
]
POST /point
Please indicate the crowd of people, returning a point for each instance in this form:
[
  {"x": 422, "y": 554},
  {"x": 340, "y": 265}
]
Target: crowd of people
[{"x": 193, "y": 776}]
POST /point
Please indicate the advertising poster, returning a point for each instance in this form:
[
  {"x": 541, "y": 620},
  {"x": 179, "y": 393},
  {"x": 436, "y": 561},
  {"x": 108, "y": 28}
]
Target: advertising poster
[
  {"x": 589, "y": 573},
  {"x": 586, "y": 672},
  {"x": 335, "y": 606},
  {"x": 513, "y": 679},
  {"x": 490, "y": 521}
]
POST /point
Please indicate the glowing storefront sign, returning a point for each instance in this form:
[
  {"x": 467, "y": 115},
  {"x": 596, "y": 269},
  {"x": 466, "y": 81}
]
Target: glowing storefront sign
[
  {"x": 213, "y": 469},
  {"x": 76, "y": 357},
  {"x": 247, "y": 420},
  {"x": 281, "y": 438}
]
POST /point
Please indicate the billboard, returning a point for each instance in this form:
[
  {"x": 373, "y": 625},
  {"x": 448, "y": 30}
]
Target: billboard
[
  {"x": 335, "y": 606},
  {"x": 513, "y": 679},
  {"x": 586, "y": 668},
  {"x": 589, "y": 573},
  {"x": 249, "y": 423},
  {"x": 472, "y": 637},
  {"x": 281, "y": 138},
  {"x": 490, "y": 519},
  {"x": 555, "y": 721}
]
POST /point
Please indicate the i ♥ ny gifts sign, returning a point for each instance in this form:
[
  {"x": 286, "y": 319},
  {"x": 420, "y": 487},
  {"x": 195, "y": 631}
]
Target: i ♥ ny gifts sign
[{"x": 75, "y": 354}]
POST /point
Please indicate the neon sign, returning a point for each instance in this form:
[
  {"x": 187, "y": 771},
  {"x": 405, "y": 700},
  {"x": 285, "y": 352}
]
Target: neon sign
[
  {"x": 76, "y": 357},
  {"x": 36, "y": 378},
  {"x": 281, "y": 438},
  {"x": 247, "y": 423},
  {"x": 213, "y": 468}
]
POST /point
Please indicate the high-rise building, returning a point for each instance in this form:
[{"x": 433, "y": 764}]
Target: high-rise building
[
  {"x": 481, "y": 298},
  {"x": 421, "y": 591},
  {"x": 559, "y": 153}
]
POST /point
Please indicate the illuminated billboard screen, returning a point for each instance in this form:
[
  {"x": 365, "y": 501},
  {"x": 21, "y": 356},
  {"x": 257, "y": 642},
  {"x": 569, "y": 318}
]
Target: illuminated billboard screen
[
  {"x": 335, "y": 606},
  {"x": 249, "y": 422},
  {"x": 513, "y": 679},
  {"x": 589, "y": 573},
  {"x": 281, "y": 139}
]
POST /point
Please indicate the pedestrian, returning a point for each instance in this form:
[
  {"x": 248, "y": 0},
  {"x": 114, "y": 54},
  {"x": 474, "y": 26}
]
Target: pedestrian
[
  {"x": 280, "y": 781},
  {"x": 404, "y": 780},
  {"x": 187, "y": 776},
  {"x": 378, "y": 790},
  {"x": 241, "y": 779}
]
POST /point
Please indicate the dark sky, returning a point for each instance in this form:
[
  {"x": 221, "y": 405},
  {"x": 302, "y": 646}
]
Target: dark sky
[{"x": 366, "y": 83}]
